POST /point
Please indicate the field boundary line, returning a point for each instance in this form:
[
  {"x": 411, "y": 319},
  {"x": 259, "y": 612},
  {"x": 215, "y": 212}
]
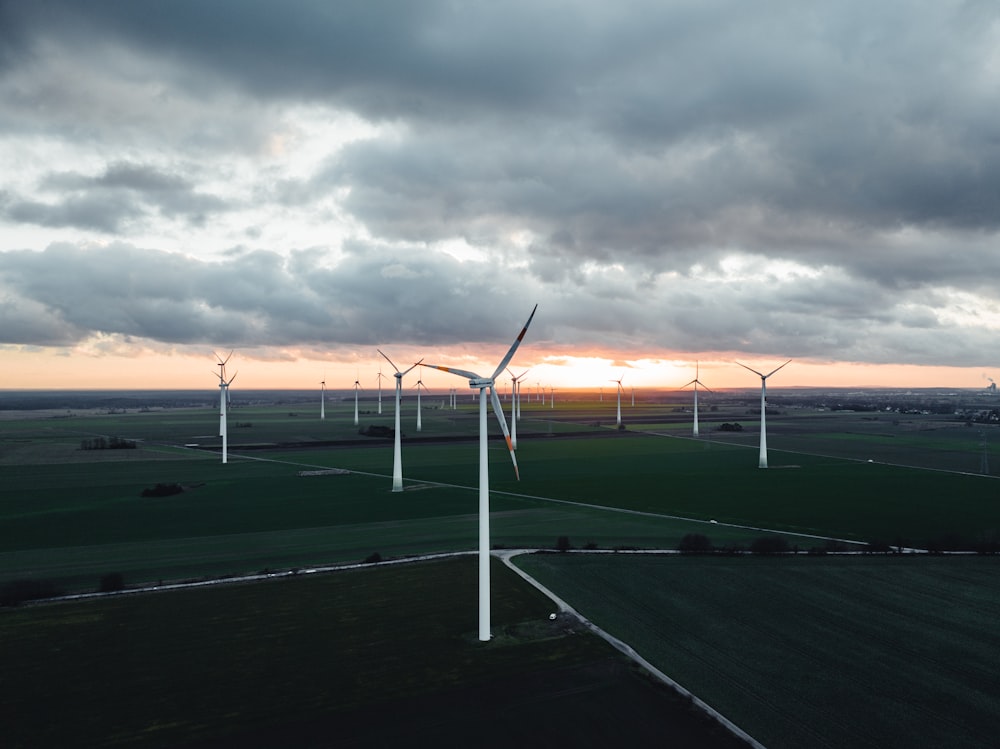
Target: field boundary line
[
  {"x": 625, "y": 649},
  {"x": 571, "y": 502}
]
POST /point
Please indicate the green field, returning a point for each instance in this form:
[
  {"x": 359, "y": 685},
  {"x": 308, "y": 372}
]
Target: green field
[
  {"x": 375, "y": 657},
  {"x": 72, "y": 516},
  {"x": 73, "y": 521},
  {"x": 809, "y": 651}
]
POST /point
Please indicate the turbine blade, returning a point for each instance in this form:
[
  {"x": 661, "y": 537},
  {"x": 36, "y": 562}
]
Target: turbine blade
[
  {"x": 460, "y": 372},
  {"x": 404, "y": 372},
  {"x": 388, "y": 360},
  {"x": 232, "y": 378},
  {"x": 517, "y": 342},
  {"x": 759, "y": 374},
  {"x": 503, "y": 427},
  {"x": 775, "y": 370}
]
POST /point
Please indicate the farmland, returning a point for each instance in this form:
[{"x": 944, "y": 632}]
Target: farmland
[
  {"x": 810, "y": 651},
  {"x": 303, "y": 661},
  {"x": 71, "y": 516}
]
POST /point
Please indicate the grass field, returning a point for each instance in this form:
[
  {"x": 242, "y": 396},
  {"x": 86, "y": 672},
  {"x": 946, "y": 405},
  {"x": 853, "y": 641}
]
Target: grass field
[
  {"x": 72, "y": 516},
  {"x": 809, "y": 651},
  {"x": 376, "y": 657}
]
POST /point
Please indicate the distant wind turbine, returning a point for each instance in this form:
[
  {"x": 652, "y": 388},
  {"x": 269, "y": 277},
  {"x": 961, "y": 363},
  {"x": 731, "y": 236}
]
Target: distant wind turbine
[
  {"x": 380, "y": 378},
  {"x": 763, "y": 411},
  {"x": 482, "y": 383},
  {"x": 515, "y": 404},
  {"x": 696, "y": 382},
  {"x": 322, "y": 399},
  {"x": 357, "y": 385},
  {"x": 223, "y": 400},
  {"x": 397, "y": 450},
  {"x": 620, "y": 390},
  {"x": 420, "y": 384}
]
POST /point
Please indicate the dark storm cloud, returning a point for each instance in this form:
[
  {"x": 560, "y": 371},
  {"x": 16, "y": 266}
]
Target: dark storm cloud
[
  {"x": 377, "y": 295},
  {"x": 252, "y": 297},
  {"x": 620, "y": 153},
  {"x": 125, "y": 193}
]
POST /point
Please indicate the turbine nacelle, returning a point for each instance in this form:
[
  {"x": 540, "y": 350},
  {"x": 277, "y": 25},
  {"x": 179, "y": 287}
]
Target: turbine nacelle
[{"x": 480, "y": 382}]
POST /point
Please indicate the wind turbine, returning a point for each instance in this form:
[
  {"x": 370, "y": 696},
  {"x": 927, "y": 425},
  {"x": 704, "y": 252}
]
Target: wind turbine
[
  {"x": 696, "y": 382},
  {"x": 763, "y": 411},
  {"x": 223, "y": 400},
  {"x": 620, "y": 389},
  {"x": 322, "y": 399},
  {"x": 515, "y": 404},
  {"x": 397, "y": 450},
  {"x": 482, "y": 383},
  {"x": 380, "y": 378},
  {"x": 420, "y": 384},
  {"x": 356, "y": 386}
]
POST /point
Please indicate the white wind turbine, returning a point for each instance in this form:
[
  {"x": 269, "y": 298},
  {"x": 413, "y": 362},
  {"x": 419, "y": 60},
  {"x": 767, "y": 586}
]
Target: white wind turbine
[
  {"x": 620, "y": 390},
  {"x": 420, "y": 384},
  {"x": 380, "y": 378},
  {"x": 357, "y": 385},
  {"x": 223, "y": 400},
  {"x": 515, "y": 404},
  {"x": 397, "y": 450},
  {"x": 763, "y": 411},
  {"x": 477, "y": 382},
  {"x": 322, "y": 399},
  {"x": 696, "y": 382}
]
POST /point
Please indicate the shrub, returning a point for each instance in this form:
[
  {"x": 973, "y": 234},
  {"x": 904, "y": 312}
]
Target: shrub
[
  {"x": 162, "y": 490},
  {"x": 563, "y": 544},
  {"x": 102, "y": 443},
  {"x": 695, "y": 543},
  {"x": 18, "y": 591},
  {"x": 373, "y": 558}
]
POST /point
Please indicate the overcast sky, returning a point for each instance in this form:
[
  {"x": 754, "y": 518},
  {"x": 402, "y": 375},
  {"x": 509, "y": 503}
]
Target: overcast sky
[{"x": 307, "y": 180}]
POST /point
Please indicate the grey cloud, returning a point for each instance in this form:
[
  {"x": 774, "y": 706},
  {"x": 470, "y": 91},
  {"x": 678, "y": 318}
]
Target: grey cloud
[
  {"x": 252, "y": 298},
  {"x": 637, "y": 145},
  {"x": 125, "y": 193}
]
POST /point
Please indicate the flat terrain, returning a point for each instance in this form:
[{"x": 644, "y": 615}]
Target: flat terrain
[
  {"x": 810, "y": 651},
  {"x": 373, "y": 657},
  {"x": 750, "y": 635}
]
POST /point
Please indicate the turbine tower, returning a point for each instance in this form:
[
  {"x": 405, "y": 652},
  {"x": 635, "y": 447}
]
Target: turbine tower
[
  {"x": 696, "y": 382},
  {"x": 322, "y": 399},
  {"x": 420, "y": 384},
  {"x": 380, "y": 378},
  {"x": 223, "y": 400},
  {"x": 763, "y": 411},
  {"x": 515, "y": 404},
  {"x": 620, "y": 389},
  {"x": 356, "y": 386},
  {"x": 476, "y": 382},
  {"x": 397, "y": 450}
]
